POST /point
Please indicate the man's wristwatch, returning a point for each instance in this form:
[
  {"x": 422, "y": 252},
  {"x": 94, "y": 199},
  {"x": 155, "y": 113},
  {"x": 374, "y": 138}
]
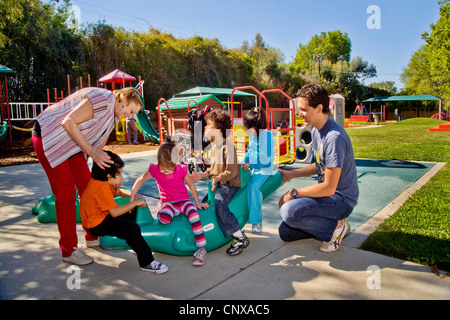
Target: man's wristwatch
[{"x": 293, "y": 192}]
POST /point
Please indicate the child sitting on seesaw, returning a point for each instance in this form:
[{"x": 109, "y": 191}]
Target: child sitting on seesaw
[
  {"x": 225, "y": 175},
  {"x": 101, "y": 215},
  {"x": 170, "y": 178}
]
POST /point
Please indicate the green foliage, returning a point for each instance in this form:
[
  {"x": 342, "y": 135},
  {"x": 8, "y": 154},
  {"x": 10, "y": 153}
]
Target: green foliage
[
  {"x": 37, "y": 44},
  {"x": 428, "y": 71},
  {"x": 326, "y": 59},
  {"x": 333, "y": 46}
]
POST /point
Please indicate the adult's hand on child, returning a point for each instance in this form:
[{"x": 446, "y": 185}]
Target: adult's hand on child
[
  {"x": 245, "y": 166},
  {"x": 101, "y": 158}
]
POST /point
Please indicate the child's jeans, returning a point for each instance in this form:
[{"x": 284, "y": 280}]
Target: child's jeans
[
  {"x": 317, "y": 218},
  {"x": 225, "y": 218},
  {"x": 125, "y": 228}
]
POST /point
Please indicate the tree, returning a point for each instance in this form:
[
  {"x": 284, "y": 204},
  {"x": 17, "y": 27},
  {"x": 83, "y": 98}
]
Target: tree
[
  {"x": 387, "y": 88},
  {"x": 333, "y": 46},
  {"x": 266, "y": 62},
  {"x": 428, "y": 70},
  {"x": 38, "y": 45}
]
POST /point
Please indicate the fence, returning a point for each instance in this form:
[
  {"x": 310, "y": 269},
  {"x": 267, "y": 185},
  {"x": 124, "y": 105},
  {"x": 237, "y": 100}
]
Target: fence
[{"x": 26, "y": 110}]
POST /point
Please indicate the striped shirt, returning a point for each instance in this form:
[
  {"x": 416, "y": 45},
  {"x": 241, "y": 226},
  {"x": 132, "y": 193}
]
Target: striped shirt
[{"x": 58, "y": 145}]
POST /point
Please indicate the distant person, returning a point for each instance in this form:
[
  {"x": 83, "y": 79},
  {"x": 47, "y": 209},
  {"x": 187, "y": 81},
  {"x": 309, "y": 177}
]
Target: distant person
[
  {"x": 396, "y": 115},
  {"x": 101, "y": 215},
  {"x": 319, "y": 211},
  {"x": 171, "y": 178},
  {"x": 64, "y": 136},
  {"x": 132, "y": 130}
]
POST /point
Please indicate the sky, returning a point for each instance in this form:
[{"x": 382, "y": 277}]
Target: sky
[{"x": 383, "y": 32}]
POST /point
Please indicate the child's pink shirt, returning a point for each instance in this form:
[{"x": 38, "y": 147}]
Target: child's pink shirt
[{"x": 171, "y": 187}]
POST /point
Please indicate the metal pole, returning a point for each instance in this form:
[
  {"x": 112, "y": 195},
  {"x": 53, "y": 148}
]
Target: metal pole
[
  {"x": 8, "y": 112},
  {"x": 68, "y": 85}
]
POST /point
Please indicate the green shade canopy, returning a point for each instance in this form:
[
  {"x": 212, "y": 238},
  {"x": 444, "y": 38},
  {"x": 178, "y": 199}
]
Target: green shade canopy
[
  {"x": 215, "y": 91},
  {"x": 182, "y": 103},
  {"x": 4, "y": 69},
  {"x": 402, "y": 98}
]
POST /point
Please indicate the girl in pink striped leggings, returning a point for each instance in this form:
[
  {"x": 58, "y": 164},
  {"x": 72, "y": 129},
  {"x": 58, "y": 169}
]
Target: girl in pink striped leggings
[{"x": 170, "y": 178}]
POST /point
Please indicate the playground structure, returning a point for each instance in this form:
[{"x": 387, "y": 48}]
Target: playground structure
[
  {"x": 177, "y": 125},
  {"x": 408, "y": 112},
  {"x": 27, "y": 112},
  {"x": 5, "y": 117},
  {"x": 362, "y": 115}
]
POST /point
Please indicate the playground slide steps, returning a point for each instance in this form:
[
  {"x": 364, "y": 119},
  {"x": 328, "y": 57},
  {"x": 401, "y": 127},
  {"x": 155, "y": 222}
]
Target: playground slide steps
[{"x": 445, "y": 127}]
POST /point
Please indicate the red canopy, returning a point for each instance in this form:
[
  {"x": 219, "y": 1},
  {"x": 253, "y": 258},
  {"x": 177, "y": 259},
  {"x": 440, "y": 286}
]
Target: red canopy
[{"x": 117, "y": 76}]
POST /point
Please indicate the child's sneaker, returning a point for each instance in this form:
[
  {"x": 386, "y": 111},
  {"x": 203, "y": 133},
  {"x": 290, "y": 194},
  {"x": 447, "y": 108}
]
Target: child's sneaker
[
  {"x": 199, "y": 257},
  {"x": 78, "y": 257},
  {"x": 238, "y": 245},
  {"x": 156, "y": 267},
  {"x": 336, "y": 240},
  {"x": 257, "y": 228}
]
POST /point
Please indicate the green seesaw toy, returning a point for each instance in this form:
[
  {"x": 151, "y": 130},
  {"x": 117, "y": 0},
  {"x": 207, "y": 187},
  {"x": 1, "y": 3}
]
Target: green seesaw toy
[{"x": 176, "y": 238}]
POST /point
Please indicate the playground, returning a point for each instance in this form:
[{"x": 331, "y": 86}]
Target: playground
[
  {"x": 32, "y": 269},
  {"x": 385, "y": 182}
]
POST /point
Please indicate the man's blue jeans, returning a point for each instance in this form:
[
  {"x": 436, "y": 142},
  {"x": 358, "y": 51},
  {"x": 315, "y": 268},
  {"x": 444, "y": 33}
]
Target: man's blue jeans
[
  {"x": 225, "y": 218},
  {"x": 317, "y": 218}
]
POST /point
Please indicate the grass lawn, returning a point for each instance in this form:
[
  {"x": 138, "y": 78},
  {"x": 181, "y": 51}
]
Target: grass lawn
[{"x": 420, "y": 230}]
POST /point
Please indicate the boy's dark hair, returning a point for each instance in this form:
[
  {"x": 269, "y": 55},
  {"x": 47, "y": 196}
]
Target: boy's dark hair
[
  {"x": 255, "y": 118},
  {"x": 221, "y": 119},
  {"x": 315, "y": 94},
  {"x": 113, "y": 170}
]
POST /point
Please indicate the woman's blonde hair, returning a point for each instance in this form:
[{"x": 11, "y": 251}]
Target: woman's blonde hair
[{"x": 129, "y": 95}]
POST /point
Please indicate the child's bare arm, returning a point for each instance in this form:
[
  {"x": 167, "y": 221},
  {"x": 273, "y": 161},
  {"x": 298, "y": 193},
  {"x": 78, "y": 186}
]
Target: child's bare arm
[
  {"x": 194, "y": 193},
  {"x": 196, "y": 176},
  {"x": 138, "y": 183}
]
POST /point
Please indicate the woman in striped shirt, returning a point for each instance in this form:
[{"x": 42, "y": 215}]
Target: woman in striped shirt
[{"x": 64, "y": 136}]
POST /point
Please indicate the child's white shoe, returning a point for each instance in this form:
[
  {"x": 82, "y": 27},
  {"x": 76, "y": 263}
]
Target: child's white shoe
[{"x": 257, "y": 228}]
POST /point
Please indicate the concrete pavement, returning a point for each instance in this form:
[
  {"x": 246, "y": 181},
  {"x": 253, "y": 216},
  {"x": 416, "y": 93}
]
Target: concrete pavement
[{"x": 269, "y": 269}]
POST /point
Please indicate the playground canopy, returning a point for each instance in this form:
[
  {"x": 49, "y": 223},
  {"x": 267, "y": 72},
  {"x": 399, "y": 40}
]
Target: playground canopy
[
  {"x": 421, "y": 97},
  {"x": 403, "y": 98},
  {"x": 199, "y": 91},
  {"x": 117, "y": 76},
  {"x": 4, "y": 69},
  {"x": 182, "y": 102}
]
